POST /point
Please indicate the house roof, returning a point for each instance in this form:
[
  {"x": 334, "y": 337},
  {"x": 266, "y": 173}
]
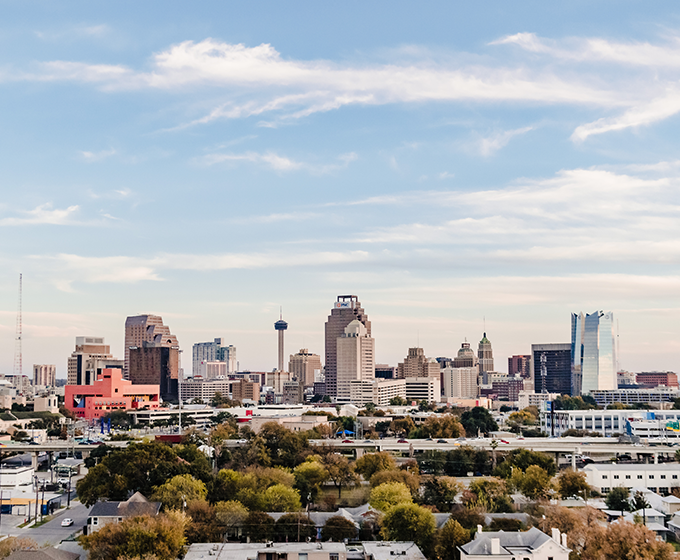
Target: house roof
[
  {"x": 510, "y": 542},
  {"x": 386, "y": 550},
  {"x": 134, "y": 506},
  {"x": 43, "y": 554}
]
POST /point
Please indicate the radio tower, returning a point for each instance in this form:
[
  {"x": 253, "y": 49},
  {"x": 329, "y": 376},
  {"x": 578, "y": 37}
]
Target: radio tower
[{"x": 18, "y": 354}]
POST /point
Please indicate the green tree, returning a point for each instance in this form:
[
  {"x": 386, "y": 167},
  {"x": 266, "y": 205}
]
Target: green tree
[
  {"x": 309, "y": 476},
  {"x": 409, "y": 522},
  {"x": 281, "y": 498},
  {"x": 489, "y": 493},
  {"x": 338, "y": 528},
  {"x": 371, "y": 463},
  {"x": 294, "y": 527},
  {"x": 522, "y": 459},
  {"x": 340, "y": 471},
  {"x": 412, "y": 481},
  {"x": 449, "y": 538},
  {"x": 119, "y": 419},
  {"x": 388, "y": 495},
  {"x": 572, "y": 483},
  {"x": 204, "y": 526},
  {"x": 534, "y": 483},
  {"x": 137, "y": 537},
  {"x": 478, "y": 420},
  {"x": 441, "y": 492},
  {"x": 258, "y": 526},
  {"x": 403, "y": 426},
  {"x": 230, "y": 515},
  {"x": 398, "y": 401},
  {"x": 639, "y": 501},
  {"x": 618, "y": 499},
  {"x": 441, "y": 426},
  {"x": 179, "y": 491},
  {"x": 468, "y": 518}
]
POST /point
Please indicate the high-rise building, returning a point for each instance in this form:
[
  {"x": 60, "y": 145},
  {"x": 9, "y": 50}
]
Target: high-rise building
[
  {"x": 592, "y": 352},
  {"x": 151, "y": 364},
  {"x": 355, "y": 358},
  {"x": 89, "y": 359},
  {"x": 243, "y": 389},
  {"x": 520, "y": 365},
  {"x": 485, "y": 355},
  {"x": 345, "y": 310},
  {"x": 146, "y": 328},
  {"x": 280, "y": 326},
  {"x": 216, "y": 351},
  {"x": 417, "y": 365},
  {"x": 45, "y": 375},
  {"x": 460, "y": 377},
  {"x": 551, "y": 365},
  {"x": 305, "y": 367},
  {"x": 385, "y": 371}
]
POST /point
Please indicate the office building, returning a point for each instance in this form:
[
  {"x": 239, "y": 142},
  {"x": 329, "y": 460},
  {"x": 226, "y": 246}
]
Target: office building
[
  {"x": 507, "y": 388},
  {"x": 461, "y": 378},
  {"x": 552, "y": 368},
  {"x": 652, "y": 396},
  {"x": 520, "y": 365},
  {"x": 376, "y": 391},
  {"x": 211, "y": 370},
  {"x": 244, "y": 389},
  {"x": 205, "y": 390},
  {"x": 146, "y": 328},
  {"x": 90, "y": 357},
  {"x": 657, "y": 478},
  {"x": 44, "y": 375},
  {"x": 592, "y": 352},
  {"x": 626, "y": 379},
  {"x": 275, "y": 379},
  {"x": 485, "y": 355},
  {"x": 280, "y": 326},
  {"x": 345, "y": 310},
  {"x": 657, "y": 378},
  {"x": 150, "y": 364},
  {"x": 355, "y": 358},
  {"x": 215, "y": 351},
  {"x": 293, "y": 392},
  {"x": 423, "y": 389},
  {"x": 109, "y": 392},
  {"x": 305, "y": 367},
  {"x": 417, "y": 365},
  {"x": 383, "y": 371},
  {"x": 529, "y": 398}
]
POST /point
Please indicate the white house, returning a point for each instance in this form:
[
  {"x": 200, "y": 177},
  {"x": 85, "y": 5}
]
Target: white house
[{"x": 527, "y": 545}]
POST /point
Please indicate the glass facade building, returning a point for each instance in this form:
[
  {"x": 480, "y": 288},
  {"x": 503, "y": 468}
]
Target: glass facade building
[
  {"x": 592, "y": 350},
  {"x": 551, "y": 368}
]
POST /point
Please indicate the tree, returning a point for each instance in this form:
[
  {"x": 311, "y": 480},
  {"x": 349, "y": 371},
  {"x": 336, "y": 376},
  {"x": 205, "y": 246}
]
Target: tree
[
  {"x": 371, "y": 463},
  {"x": 441, "y": 426},
  {"x": 627, "y": 540},
  {"x": 468, "y": 518},
  {"x": 398, "y": 401},
  {"x": 388, "y": 495},
  {"x": 485, "y": 493},
  {"x": 340, "y": 471},
  {"x": 258, "y": 526},
  {"x": 179, "y": 491},
  {"x": 294, "y": 527},
  {"x": 230, "y": 515},
  {"x": 338, "y": 528},
  {"x": 162, "y": 536},
  {"x": 441, "y": 492},
  {"x": 281, "y": 498},
  {"x": 572, "y": 483},
  {"x": 403, "y": 426},
  {"x": 12, "y": 544},
  {"x": 522, "y": 459},
  {"x": 639, "y": 501},
  {"x": 409, "y": 522},
  {"x": 449, "y": 538},
  {"x": 534, "y": 483},
  {"x": 309, "y": 476},
  {"x": 412, "y": 481},
  {"x": 204, "y": 527},
  {"x": 618, "y": 499},
  {"x": 478, "y": 420}
]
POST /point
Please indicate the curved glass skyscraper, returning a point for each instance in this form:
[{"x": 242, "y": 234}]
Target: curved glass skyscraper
[{"x": 592, "y": 352}]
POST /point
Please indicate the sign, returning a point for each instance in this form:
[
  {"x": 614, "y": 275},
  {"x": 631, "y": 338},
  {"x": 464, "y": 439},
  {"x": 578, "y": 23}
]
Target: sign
[{"x": 343, "y": 305}]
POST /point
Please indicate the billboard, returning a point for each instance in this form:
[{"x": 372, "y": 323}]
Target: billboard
[{"x": 343, "y": 305}]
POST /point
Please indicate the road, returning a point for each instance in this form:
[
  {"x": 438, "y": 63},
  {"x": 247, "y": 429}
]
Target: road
[{"x": 52, "y": 532}]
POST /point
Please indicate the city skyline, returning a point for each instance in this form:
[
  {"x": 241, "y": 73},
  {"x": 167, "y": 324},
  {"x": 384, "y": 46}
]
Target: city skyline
[{"x": 514, "y": 162}]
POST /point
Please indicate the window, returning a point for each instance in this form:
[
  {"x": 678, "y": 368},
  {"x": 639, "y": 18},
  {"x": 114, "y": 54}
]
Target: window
[
  {"x": 639, "y": 477},
  {"x": 333, "y": 556},
  {"x": 604, "y": 477},
  {"x": 651, "y": 477},
  {"x": 302, "y": 556},
  {"x": 675, "y": 477},
  {"x": 627, "y": 477},
  {"x": 616, "y": 477},
  {"x": 663, "y": 477},
  {"x": 95, "y": 521}
]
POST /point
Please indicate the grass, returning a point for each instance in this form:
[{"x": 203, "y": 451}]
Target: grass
[{"x": 45, "y": 519}]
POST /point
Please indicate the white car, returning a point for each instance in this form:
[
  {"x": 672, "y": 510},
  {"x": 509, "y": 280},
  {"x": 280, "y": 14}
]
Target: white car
[{"x": 67, "y": 522}]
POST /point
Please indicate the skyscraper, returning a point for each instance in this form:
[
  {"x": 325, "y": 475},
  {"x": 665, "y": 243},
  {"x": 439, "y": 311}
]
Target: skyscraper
[
  {"x": 355, "y": 358},
  {"x": 90, "y": 358},
  {"x": 215, "y": 351},
  {"x": 552, "y": 368},
  {"x": 44, "y": 375},
  {"x": 592, "y": 351},
  {"x": 461, "y": 375},
  {"x": 280, "y": 326},
  {"x": 520, "y": 365},
  {"x": 417, "y": 364},
  {"x": 485, "y": 355},
  {"x": 153, "y": 364},
  {"x": 146, "y": 328},
  {"x": 305, "y": 367},
  {"x": 345, "y": 310}
]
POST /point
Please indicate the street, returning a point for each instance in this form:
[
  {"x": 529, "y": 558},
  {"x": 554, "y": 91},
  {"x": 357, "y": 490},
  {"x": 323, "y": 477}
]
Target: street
[{"x": 52, "y": 532}]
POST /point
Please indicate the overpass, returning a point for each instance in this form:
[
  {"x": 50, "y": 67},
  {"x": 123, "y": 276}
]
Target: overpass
[{"x": 57, "y": 446}]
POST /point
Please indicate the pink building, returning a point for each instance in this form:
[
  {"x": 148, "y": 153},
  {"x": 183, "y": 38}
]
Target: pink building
[{"x": 109, "y": 392}]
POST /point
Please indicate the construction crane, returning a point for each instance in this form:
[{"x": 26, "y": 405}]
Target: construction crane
[{"x": 18, "y": 351}]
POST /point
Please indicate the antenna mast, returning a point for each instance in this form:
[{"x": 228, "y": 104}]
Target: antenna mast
[{"x": 18, "y": 352}]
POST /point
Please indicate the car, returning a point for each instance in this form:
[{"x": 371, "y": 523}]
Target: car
[
  {"x": 242, "y": 441},
  {"x": 429, "y": 439},
  {"x": 442, "y": 441},
  {"x": 402, "y": 441},
  {"x": 347, "y": 441},
  {"x": 368, "y": 441},
  {"x": 503, "y": 441},
  {"x": 67, "y": 522},
  {"x": 33, "y": 443},
  {"x": 63, "y": 481}
]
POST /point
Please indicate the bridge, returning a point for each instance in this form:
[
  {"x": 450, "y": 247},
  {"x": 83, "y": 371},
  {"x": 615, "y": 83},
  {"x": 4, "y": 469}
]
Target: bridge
[{"x": 57, "y": 446}]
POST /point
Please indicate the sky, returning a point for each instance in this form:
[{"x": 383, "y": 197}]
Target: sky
[{"x": 459, "y": 166}]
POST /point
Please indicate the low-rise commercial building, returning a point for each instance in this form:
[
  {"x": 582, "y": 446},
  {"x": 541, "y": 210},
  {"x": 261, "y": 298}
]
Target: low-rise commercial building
[
  {"x": 637, "y": 423},
  {"x": 633, "y": 396},
  {"x": 376, "y": 391},
  {"x": 423, "y": 389},
  {"x": 659, "y": 478}
]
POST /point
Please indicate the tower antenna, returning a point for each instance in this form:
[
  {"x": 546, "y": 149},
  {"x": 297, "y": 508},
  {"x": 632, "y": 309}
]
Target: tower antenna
[
  {"x": 18, "y": 351},
  {"x": 618, "y": 348}
]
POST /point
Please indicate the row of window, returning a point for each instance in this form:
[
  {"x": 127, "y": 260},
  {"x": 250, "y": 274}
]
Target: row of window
[{"x": 640, "y": 477}]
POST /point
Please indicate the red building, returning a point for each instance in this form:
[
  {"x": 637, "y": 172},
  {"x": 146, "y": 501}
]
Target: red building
[
  {"x": 109, "y": 392},
  {"x": 656, "y": 378}
]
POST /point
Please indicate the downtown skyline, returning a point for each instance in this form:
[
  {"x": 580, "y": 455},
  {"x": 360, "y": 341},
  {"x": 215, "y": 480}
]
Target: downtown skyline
[{"x": 455, "y": 167}]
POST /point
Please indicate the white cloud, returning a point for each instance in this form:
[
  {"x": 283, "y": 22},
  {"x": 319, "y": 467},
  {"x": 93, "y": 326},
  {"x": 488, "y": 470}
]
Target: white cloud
[
  {"x": 277, "y": 162},
  {"x": 491, "y": 144},
  {"x": 97, "y": 156},
  {"x": 43, "y": 214}
]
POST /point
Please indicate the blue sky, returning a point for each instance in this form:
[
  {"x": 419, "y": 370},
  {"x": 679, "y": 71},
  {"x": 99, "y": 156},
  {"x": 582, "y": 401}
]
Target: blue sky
[{"x": 503, "y": 162}]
